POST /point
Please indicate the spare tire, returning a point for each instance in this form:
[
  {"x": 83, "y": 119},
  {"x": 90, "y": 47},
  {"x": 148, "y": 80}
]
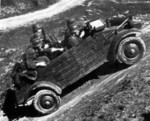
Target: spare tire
[{"x": 131, "y": 50}]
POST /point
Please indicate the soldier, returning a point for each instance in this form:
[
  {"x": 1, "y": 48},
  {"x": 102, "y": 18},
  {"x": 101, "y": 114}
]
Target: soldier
[
  {"x": 34, "y": 53},
  {"x": 39, "y": 29},
  {"x": 35, "y": 57},
  {"x": 32, "y": 59},
  {"x": 74, "y": 38},
  {"x": 71, "y": 34},
  {"x": 48, "y": 40},
  {"x": 70, "y": 23},
  {"x": 38, "y": 45}
]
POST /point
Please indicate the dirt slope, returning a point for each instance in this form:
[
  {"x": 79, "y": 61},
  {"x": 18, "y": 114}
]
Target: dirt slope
[{"x": 30, "y": 18}]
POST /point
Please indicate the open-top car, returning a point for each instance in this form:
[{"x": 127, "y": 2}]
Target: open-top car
[{"x": 120, "y": 43}]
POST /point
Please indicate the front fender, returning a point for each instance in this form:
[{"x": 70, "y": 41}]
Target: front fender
[
  {"x": 42, "y": 85},
  {"x": 117, "y": 39}
]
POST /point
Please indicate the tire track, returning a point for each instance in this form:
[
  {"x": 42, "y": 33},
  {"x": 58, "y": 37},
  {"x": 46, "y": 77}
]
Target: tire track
[{"x": 30, "y": 18}]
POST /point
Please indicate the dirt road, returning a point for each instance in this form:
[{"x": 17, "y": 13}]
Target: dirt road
[{"x": 30, "y": 18}]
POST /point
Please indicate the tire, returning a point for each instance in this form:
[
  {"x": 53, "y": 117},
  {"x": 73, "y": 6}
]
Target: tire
[
  {"x": 131, "y": 50},
  {"x": 46, "y": 102}
]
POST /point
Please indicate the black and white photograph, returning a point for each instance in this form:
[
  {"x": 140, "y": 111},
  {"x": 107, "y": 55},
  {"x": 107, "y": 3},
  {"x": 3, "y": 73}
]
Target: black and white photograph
[{"x": 74, "y": 60}]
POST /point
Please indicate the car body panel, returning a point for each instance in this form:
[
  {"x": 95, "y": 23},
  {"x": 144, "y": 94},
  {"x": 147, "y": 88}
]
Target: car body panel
[
  {"x": 40, "y": 85},
  {"x": 75, "y": 63}
]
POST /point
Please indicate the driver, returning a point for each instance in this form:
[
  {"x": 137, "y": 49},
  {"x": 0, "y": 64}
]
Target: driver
[
  {"x": 50, "y": 44},
  {"x": 39, "y": 29},
  {"x": 72, "y": 33}
]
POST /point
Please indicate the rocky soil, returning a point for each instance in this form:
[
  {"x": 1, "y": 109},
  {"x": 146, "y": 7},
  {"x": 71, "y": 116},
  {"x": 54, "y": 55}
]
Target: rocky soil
[{"x": 18, "y": 7}]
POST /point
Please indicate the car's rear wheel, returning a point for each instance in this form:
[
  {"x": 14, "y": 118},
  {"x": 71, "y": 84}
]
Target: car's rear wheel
[
  {"x": 131, "y": 50},
  {"x": 46, "y": 102}
]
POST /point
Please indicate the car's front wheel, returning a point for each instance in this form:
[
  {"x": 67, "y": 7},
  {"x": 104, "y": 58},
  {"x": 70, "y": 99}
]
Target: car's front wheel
[
  {"x": 46, "y": 102},
  {"x": 131, "y": 50}
]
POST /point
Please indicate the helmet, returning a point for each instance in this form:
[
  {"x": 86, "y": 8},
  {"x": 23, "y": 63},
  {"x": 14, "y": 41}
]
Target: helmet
[
  {"x": 36, "y": 40},
  {"x": 36, "y": 27},
  {"x": 70, "y": 21}
]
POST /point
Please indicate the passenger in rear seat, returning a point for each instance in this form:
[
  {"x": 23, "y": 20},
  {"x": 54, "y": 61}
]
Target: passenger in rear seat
[{"x": 49, "y": 43}]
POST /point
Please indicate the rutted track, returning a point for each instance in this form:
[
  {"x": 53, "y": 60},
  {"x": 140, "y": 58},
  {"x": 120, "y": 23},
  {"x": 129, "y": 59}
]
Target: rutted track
[{"x": 30, "y": 18}]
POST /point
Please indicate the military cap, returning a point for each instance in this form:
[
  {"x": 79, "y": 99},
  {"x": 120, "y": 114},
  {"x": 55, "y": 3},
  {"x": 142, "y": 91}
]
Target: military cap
[{"x": 36, "y": 27}]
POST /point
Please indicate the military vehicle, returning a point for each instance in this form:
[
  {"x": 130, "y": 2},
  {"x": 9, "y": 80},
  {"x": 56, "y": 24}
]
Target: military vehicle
[{"x": 121, "y": 43}]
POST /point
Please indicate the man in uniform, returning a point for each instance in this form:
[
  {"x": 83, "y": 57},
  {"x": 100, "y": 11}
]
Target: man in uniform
[
  {"x": 72, "y": 32},
  {"x": 34, "y": 53},
  {"x": 35, "y": 57},
  {"x": 48, "y": 40},
  {"x": 32, "y": 59},
  {"x": 65, "y": 42},
  {"x": 40, "y": 49}
]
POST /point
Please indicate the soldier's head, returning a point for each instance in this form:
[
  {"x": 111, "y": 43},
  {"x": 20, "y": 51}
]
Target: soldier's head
[
  {"x": 36, "y": 40},
  {"x": 70, "y": 21},
  {"x": 37, "y": 28}
]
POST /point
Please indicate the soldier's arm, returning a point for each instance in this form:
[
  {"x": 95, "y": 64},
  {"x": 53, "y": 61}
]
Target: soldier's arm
[
  {"x": 52, "y": 49},
  {"x": 48, "y": 40}
]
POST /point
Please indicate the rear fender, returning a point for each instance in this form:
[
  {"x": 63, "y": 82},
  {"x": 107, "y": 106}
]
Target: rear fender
[
  {"x": 42, "y": 85},
  {"x": 117, "y": 39}
]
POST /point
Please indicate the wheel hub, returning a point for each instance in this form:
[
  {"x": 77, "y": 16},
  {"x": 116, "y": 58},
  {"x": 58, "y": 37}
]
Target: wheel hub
[
  {"x": 131, "y": 50},
  {"x": 47, "y": 102}
]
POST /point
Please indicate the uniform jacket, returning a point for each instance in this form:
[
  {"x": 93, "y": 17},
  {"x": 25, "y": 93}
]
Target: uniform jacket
[{"x": 33, "y": 56}]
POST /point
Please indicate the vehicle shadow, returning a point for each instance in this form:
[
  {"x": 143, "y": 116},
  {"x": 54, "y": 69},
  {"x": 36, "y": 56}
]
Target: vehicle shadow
[
  {"x": 109, "y": 68},
  {"x": 104, "y": 69},
  {"x": 13, "y": 112}
]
